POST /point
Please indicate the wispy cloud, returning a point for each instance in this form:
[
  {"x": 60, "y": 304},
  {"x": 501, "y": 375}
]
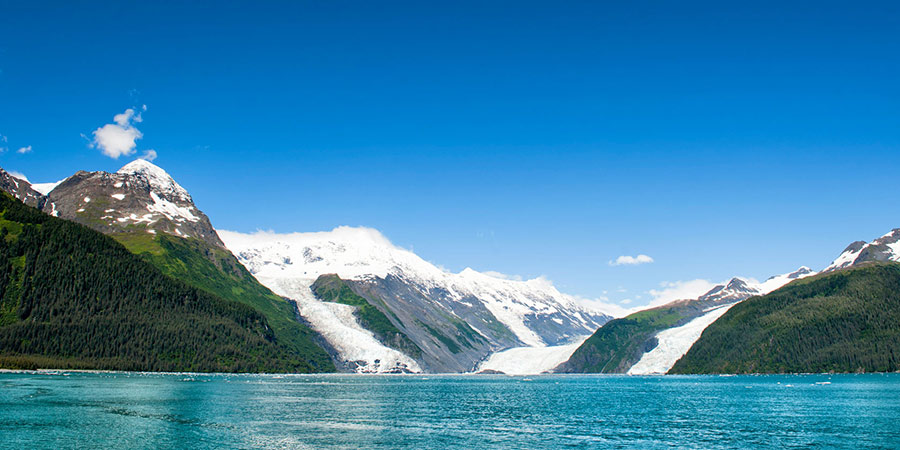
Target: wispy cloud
[
  {"x": 3, "y": 141},
  {"x": 626, "y": 260},
  {"x": 119, "y": 138},
  {"x": 19, "y": 175},
  {"x": 149, "y": 155},
  {"x": 679, "y": 290},
  {"x": 24, "y": 150},
  {"x": 502, "y": 276}
]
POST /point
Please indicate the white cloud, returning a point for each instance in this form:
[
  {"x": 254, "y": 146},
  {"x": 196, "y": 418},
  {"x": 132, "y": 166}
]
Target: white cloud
[
  {"x": 502, "y": 276},
  {"x": 679, "y": 290},
  {"x": 19, "y": 175},
  {"x": 24, "y": 150},
  {"x": 119, "y": 138},
  {"x": 603, "y": 305},
  {"x": 3, "y": 141},
  {"x": 149, "y": 155},
  {"x": 625, "y": 301},
  {"x": 626, "y": 260}
]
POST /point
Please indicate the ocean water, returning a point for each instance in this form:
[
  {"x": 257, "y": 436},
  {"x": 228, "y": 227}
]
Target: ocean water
[{"x": 188, "y": 411}]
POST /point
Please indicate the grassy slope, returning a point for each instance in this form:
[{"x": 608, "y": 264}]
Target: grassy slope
[
  {"x": 846, "y": 321},
  {"x": 619, "y": 344},
  {"x": 331, "y": 288},
  {"x": 71, "y": 297},
  {"x": 217, "y": 271}
]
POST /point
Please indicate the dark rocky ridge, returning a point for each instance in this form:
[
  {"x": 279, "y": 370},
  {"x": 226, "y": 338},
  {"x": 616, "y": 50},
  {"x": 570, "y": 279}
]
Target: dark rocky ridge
[
  {"x": 21, "y": 190},
  {"x": 140, "y": 197}
]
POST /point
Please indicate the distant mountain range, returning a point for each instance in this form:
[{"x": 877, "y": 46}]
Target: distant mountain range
[
  {"x": 654, "y": 341},
  {"x": 350, "y": 300},
  {"x": 396, "y": 313},
  {"x": 650, "y": 341},
  {"x": 456, "y": 319}
]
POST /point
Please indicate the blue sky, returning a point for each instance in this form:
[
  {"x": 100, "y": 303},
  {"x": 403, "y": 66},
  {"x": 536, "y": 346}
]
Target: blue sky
[{"x": 524, "y": 138}]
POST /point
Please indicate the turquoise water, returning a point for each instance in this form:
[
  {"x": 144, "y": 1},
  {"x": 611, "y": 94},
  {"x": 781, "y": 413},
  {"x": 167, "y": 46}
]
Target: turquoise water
[{"x": 176, "y": 411}]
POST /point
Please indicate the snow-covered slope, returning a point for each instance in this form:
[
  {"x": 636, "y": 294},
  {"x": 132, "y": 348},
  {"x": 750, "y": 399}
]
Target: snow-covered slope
[
  {"x": 778, "y": 281},
  {"x": 45, "y": 188},
  {"x": 159, "y": 180},
  {"x": 530, "y": 360},
  {"x": 429, "y": 304},
  {"x": 885, "y": 248},
  {"x": 360, "y": 351}
]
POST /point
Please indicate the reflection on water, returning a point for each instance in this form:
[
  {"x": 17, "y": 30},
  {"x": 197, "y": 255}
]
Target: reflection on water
[{"x": 174, "y": 411}]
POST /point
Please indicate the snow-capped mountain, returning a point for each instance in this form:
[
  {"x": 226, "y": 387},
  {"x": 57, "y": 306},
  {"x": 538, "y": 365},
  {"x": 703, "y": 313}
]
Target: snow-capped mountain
[
  {"x": 734, "y": 290},
  {"x": 140, "y": 197},
  {"x": 778, "y": 281},
  {"x": 672, "y": 343},
  {"x": 885, "y": 248},
  {"x": 457, "y": 319}
]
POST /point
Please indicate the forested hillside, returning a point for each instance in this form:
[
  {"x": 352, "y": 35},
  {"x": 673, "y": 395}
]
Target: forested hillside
[
  {"x": 619, "y": 344},
  {"x": 71, "y": 297},
  {"x": 844, "y": 321},
  {"x": 216, "y": 271}
]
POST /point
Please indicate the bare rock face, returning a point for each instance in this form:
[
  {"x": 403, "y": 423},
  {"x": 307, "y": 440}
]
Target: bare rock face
[
  {"x": 885, "y": 248},
  {"x": 140, "y": 197},
  {"x": 21, "y": 190}
]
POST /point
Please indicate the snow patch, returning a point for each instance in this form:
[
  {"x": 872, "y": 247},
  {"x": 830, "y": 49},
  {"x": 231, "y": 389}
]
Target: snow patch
[
  {"x": 845, "y": 259},
  {"x": 780, "y": 280},
  {"x": 171, "y": 210},
  {"x": 118, "y": 196}
]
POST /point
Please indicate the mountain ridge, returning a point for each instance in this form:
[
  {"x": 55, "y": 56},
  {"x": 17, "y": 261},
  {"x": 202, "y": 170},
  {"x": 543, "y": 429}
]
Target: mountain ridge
[{"x": 456, "y": 319}]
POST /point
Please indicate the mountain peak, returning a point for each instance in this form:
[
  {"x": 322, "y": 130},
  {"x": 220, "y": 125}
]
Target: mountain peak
[
  {"x": 159, "y": 179},
  {"x": 885, "y": 248}
]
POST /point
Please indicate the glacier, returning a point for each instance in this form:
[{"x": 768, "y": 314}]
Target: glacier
[
  {"x": 674, "y": 343},
  {"x": 534, "y": 311},
  {"x": 530, "y": 360}
]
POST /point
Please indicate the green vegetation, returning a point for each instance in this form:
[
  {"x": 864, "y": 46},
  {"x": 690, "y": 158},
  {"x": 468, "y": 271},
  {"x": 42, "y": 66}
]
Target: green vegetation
[
  {"x": 619, "y": 344},
  {"x": 331, "y": 288},
  {"x": 449, "y": 343},
  {"x": 845, "y": 321},
  {"x": 216, "y": 271},
  {"x": 71, "y": 297}
]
